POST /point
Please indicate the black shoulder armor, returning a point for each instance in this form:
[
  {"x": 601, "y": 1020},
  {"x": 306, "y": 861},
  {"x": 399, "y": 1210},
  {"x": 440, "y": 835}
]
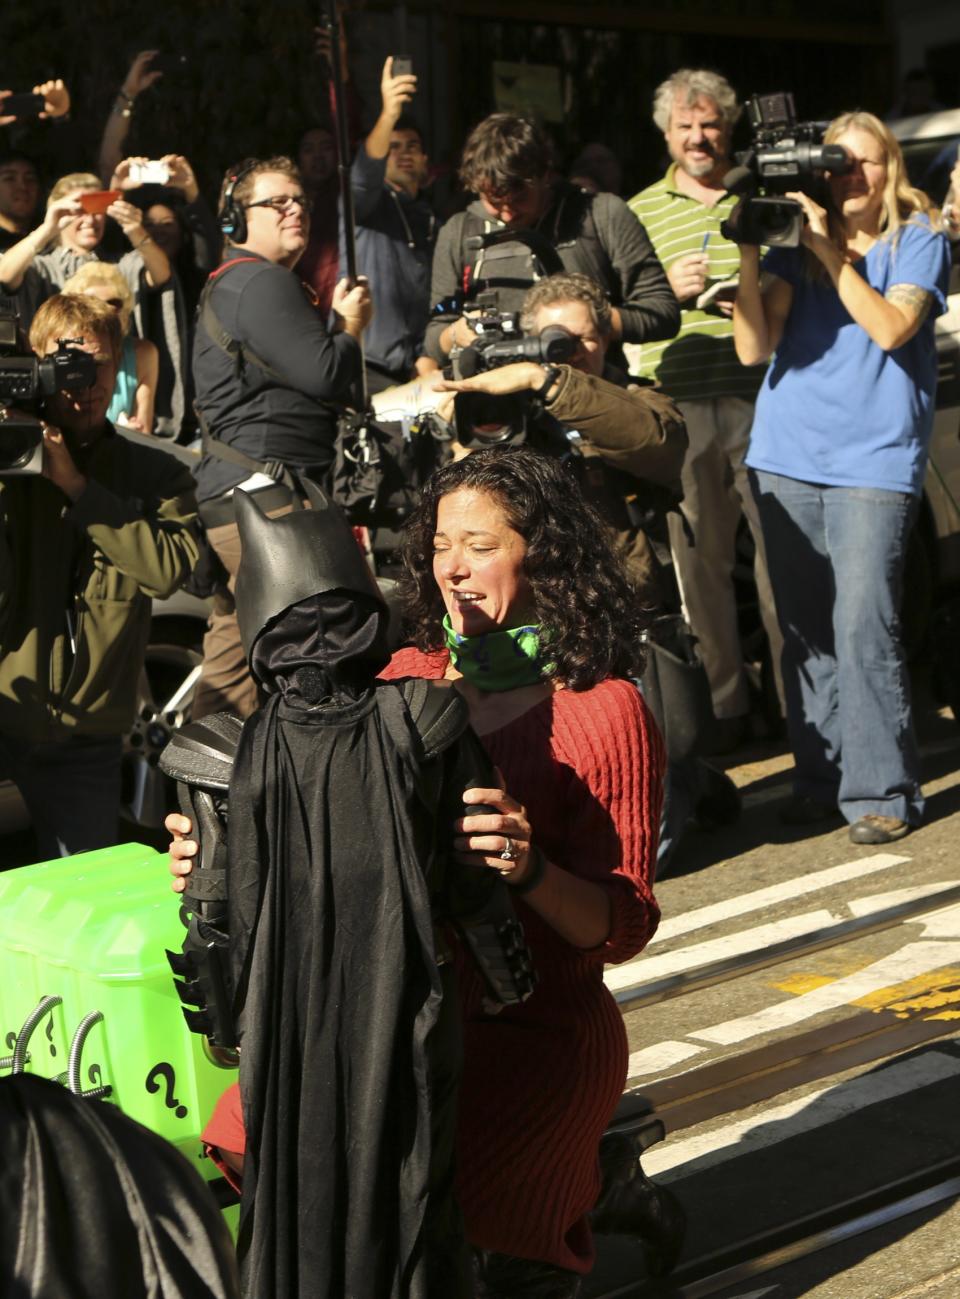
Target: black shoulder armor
[{"x": 438, "y": 713}]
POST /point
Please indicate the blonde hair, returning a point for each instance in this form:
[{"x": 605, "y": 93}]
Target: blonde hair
[
  {"x": 92, "y": 274},
  {"x": 72, "y": 315},
  {"x": 902, "y": 202},
  {"x": 76, "y": 180}
]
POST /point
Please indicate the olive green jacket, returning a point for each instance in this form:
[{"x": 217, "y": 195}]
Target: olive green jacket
[
  {"x": 633, "y": 443},
  {"x": 76, "y": 582}
]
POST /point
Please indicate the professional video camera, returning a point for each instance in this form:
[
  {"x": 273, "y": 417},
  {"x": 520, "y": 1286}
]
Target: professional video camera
[
  {"x": 784, "y": 155},
  {"x": 479, "y": 418},
  {"x": 25, "y": 381}
]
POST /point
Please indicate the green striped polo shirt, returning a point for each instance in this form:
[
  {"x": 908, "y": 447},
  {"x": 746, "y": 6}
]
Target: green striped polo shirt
[{"x": 700, "y": 361}]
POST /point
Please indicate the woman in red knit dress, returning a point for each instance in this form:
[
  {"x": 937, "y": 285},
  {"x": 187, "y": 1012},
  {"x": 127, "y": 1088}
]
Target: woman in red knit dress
[{"x": 513, "y": 592}]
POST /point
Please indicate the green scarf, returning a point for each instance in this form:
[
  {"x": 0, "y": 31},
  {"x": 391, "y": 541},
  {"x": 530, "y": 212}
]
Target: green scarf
[{"x": 498, "y": 660}]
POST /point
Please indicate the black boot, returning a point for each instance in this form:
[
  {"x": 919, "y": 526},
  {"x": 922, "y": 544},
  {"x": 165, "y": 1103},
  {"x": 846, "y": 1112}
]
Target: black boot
[
  {"x": 501, "y": 1276},
  {"x": 630, "y": 1204}
]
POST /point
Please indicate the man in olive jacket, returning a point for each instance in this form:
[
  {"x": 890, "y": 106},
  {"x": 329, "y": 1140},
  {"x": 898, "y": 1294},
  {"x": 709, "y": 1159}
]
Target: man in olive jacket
[
  {"x": 631, "y": 438},
  {"x": 84, "y": 546}
]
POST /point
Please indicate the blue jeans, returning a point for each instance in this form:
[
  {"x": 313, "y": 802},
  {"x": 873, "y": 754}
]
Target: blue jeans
[
  {"x": 71, "y": 789},
  {"x": 836, "y": 558}
]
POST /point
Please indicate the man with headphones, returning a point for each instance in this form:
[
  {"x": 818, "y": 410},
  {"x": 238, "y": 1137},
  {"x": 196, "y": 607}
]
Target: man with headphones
[{"x": 271, "y": 379}]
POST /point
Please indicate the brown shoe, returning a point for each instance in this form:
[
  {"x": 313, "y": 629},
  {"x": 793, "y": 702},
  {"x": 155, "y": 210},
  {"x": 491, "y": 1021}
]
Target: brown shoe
[{"x": 874, "y": 828}]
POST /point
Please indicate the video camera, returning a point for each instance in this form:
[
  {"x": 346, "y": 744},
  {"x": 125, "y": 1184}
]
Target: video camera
[
  {"x": 784, "y": 155},
  {"x": 25, "y": 380},
  {"x": 484, "y": 420}
]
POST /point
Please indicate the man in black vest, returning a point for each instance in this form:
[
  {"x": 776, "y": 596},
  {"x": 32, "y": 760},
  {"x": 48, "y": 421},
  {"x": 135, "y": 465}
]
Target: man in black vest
[
  {"x": 507, "y": 163},
  {"x": 270, "y": 381}
]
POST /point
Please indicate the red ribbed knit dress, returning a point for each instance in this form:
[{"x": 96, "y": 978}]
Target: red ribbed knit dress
[{"x": 541, "y": 1081}]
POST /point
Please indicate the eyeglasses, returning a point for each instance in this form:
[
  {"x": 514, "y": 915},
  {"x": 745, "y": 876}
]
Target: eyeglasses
[{"x": 283, "y": 203}]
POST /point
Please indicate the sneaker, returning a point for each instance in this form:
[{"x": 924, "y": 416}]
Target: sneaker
[
  {"x": 874, "y": 828},
  {"x": 804, "y": 810}
]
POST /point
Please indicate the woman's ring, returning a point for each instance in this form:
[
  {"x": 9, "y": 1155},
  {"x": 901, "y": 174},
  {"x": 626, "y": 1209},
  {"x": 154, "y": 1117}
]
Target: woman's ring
[{"x": 509, "y": 852}]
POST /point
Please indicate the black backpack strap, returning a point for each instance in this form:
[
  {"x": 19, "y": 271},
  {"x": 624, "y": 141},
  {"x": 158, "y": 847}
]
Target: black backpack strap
[{"x": 240, "y": 353}]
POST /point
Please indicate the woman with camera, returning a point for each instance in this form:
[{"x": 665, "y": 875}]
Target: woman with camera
[{"x": 837, "y": 456}]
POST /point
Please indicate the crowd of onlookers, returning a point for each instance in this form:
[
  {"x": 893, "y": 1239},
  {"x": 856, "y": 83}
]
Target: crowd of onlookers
[
  {"x": 699, "y": 381},
  {"x": 138, "y": 235}
]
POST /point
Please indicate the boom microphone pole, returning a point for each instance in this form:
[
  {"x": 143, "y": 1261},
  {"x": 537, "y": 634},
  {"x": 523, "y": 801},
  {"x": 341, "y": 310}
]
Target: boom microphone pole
[{"x": 331, "y": 20}]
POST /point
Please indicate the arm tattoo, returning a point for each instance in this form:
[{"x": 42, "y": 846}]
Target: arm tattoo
[{"x": 915, "y": 301}]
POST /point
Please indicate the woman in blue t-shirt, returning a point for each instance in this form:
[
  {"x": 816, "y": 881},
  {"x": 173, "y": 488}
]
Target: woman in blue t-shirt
[{"x": 837, "y": 456}]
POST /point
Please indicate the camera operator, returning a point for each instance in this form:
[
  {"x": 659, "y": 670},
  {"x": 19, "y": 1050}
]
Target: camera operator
[
  {"x": 837, "y": 457},
  {"x": 507, "y": 163},
  {"x": 270, "y": 380},
  {"x": 632, "y": 438},
  {"x": 83, "y": 548}
]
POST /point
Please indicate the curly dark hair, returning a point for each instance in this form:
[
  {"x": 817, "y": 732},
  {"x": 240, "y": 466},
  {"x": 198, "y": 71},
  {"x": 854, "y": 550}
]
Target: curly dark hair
[{"x": 579, "y": 585}]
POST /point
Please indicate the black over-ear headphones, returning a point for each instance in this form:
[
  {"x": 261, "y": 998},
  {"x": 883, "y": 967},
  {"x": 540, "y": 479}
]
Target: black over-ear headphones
[{"x": 232, "y": 217}]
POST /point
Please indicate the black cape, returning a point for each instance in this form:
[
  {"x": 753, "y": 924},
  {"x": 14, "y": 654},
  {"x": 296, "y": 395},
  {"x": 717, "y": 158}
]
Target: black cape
[
  {"x": 350, "y": 1047},
  {"x": 93, "y": 1206}
]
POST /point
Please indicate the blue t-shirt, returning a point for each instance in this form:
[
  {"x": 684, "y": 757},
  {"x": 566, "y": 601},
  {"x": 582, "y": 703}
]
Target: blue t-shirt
[{"x": 835, "y": 408}]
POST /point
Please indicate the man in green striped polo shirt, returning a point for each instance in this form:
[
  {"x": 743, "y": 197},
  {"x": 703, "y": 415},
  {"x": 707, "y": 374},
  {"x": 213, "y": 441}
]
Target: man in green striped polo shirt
[{"x": 696, "y": 110}]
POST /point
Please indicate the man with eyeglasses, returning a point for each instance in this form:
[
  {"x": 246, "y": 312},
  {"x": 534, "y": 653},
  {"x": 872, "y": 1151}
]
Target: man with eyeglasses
[
  {"x": 507, "y": 162},
  {"x": 270, "y": 380},
  {"x": 395, "y": 233}
]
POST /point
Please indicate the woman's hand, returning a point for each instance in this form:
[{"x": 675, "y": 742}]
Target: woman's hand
[
  {"x": 129, "y": 218},
  {"x": 484, "y": 837},
  {"x": 121, "y": 178},
  {"x": 181, "y": 176},
  {"x": 816, "y": 230},
  {"x": 182, "y": 850}
]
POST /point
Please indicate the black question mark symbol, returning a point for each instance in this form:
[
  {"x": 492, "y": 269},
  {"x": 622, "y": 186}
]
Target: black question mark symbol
[
  {"x": 49, "y": 1032},
  {"x": 165, "y": 1071}
]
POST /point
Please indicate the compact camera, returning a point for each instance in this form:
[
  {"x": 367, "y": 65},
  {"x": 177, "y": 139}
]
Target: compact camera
[{"x": 149, "y": 173}]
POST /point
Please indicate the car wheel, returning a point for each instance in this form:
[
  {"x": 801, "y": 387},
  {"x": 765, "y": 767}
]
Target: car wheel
[{"x": 168, "y": 681}]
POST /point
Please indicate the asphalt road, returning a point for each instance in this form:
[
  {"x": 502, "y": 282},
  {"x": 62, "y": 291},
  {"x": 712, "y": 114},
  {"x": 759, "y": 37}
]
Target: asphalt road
[{"x": 875, "y": 1019}]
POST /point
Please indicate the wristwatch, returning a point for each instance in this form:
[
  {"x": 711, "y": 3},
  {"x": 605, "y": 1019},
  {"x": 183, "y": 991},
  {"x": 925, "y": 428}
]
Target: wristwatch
[{"x": 553, "y": 374}]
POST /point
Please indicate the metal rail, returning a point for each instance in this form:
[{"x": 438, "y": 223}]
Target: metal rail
[{"x": 732, "y": 967}]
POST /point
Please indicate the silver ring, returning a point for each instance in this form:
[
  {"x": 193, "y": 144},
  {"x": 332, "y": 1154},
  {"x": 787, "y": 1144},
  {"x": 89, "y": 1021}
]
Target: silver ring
[{"x": 509, "y": 852}]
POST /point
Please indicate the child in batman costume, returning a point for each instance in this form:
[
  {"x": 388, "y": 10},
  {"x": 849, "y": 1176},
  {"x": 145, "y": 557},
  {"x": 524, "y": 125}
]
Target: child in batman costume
[{"x": 341, "y": 798}]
